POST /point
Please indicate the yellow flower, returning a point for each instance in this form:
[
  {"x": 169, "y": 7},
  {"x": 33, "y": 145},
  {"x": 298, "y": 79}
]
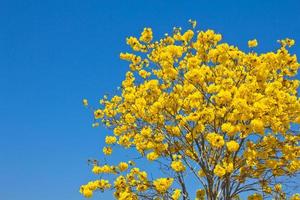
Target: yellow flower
[
  {"x": 129, "y": 118},
  {"x": 252, "y": 43},
  {"x": 146, "y": 131},
  {"x": 223, "y": 97},
  {"x": 102, "y": 169},
  {"x": 124, "y": 140},
  {"x": 134, "y": 44},
  {"x": 110, "y": 139},
  {"x": 103, "y": 184},
  {"x": 201, "y": 173},
  {"x": 96, "y": 169},
  {"x": 289, "y": 42},
  {"x": 130, "y": 57},
  {"x": 152, "y": 156},
  {"x": 123, "y": 166},
  {"x": 278, "y": 187},
  {"x": 215, "y": 140},
  {"x": 200, "y": 194},
  {"x": 257, "y": 125},
  {"x": 163, "y": 184},
  {"x": 146, "y": 35},
  {"x": 98, "y": 114},
  {"x": 144, "y": 73},
  {"x": 177, "y": 166},
  {"x": 85, "y": 102},
  {"x": 174, "y": 130},
  {"x": 87, "y": 193},
  {"x": 228, "y": 128},
  {"x": 176, "y": 194},
  {"x": 187, "y": 36},
  {"x": 232, "y": 146},
  {"x": 193, "y": 62},
  {"x": 255, "y": 197},
  {"x": 295, "y": 197},
  {"x": 125, "y": 195},
  {"x": 228, "y": 167},
  {"x": 107, "y": 150},
  {"x": 219, "y": 171}
]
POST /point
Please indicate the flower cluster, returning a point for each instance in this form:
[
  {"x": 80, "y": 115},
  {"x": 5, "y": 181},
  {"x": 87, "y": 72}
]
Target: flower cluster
[
  {"x": 178, "y": 166},
  {"x": 162, "y": 184}
]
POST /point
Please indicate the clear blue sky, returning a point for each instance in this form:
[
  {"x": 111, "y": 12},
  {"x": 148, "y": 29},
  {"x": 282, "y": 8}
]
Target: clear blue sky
[{"x": 54, "y": 53}]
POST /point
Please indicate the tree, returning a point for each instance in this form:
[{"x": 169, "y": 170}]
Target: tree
[{"x": 200, "y": 108}]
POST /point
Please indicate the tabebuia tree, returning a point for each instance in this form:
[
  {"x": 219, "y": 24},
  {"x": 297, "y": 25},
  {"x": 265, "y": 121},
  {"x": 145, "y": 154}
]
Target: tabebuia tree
[{"x": 205, "y": 115}]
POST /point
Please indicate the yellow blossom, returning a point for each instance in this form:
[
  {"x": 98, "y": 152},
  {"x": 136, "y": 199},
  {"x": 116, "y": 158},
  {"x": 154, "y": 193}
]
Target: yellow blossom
[
  {"x": 146, "y": 35},
  {"x": 257, "y": 125},
  {"x": 252, "y": 43},
  {"x": 85, "y": 102},
  {"x": 200, "y": 194},
  {"x": 177, "y": 166},
  {"x": 228, "y": 128},
  {"x": 215, "y": 140},
  {"x": 152, "y": 156},
  {"x": 110, "y": 139},
  {"x": 163, "y": 184},
  {"x": 87, "y": 193},
  {"x": 201, "y": 173},
  {"x": 255, "y": 197},
  {"x": 228, "y": 166},
  {"x": 278, "y": 187},
  {"x": 219, "y": 171},
  {"x": 232, "y": 146},
  {"x": 176, "y": 194},
  {"x": 98, "y": 114},
  {"x": 144, "y": 73},
  {"x": 123, "y": 166},
  {"x": 129, "y": 118},
  {"x": 107, "y": 150},
  {"x": 295, "y": 197}
]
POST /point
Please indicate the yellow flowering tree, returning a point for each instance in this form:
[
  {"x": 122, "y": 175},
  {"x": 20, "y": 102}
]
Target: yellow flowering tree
[{"x": 205, "y": 110}]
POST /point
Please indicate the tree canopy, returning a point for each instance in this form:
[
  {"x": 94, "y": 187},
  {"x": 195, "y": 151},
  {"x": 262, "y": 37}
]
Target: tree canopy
[{"x": 201, "y": 109}]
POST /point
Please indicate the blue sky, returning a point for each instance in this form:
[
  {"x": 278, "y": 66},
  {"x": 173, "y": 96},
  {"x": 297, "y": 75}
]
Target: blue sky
[{"x": 54, "y": 53}]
